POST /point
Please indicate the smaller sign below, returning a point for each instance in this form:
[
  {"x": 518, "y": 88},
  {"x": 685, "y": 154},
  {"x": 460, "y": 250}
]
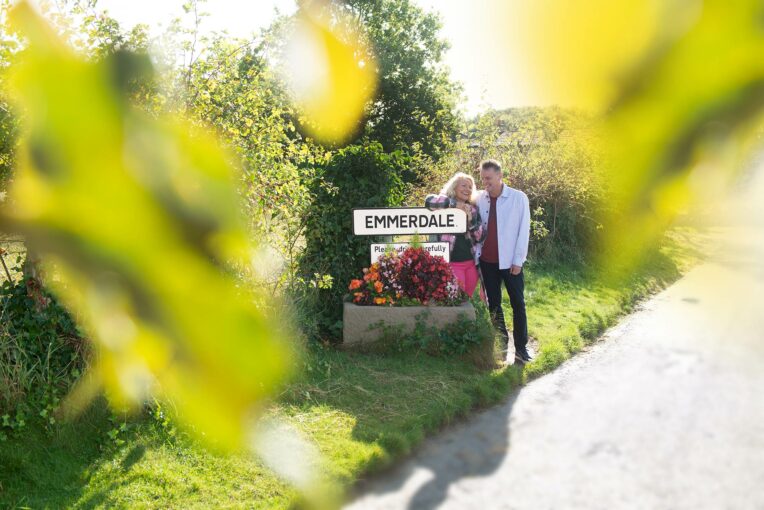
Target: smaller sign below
[{"x": 435, "y": 249}]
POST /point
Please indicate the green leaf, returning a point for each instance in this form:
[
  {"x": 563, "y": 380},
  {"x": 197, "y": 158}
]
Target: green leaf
[{"x": 141, "y": 218}]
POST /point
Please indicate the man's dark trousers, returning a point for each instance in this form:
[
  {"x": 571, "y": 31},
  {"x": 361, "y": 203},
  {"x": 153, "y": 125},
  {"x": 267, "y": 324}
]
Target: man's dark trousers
[{"x": 515, "y": 284}]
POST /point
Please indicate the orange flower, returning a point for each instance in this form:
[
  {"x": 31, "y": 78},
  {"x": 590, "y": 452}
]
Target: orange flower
[
  {"x": 354, "y": 284},
  {"x": 378, "y": 287},
  {"x": 379, "y": 300}
]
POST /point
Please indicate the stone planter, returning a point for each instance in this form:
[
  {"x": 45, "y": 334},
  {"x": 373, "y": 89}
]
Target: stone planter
[{"x": 359, "y": 322}]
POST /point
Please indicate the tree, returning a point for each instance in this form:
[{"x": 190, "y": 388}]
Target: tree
[
  {"x": 414, "y": 109},
  {"x": 8, "y": 121},
  {"x": 356, "y": 176},
  {"x": 232, "y": 89},
  {"x": 415, "y": 105}
]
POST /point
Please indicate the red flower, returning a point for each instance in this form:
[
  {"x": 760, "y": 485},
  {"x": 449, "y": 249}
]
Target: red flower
[{"x": 415, "y": 275}]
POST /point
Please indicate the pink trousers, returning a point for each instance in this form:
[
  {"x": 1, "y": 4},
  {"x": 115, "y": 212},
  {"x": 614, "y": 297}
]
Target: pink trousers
[{"x": 467, "y": 275}]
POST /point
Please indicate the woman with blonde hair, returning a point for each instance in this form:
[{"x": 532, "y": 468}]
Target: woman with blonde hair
[{"x": 460, "y": 192}]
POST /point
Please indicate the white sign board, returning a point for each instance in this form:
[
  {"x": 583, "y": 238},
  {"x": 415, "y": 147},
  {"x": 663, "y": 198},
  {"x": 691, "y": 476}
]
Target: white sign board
[
  {"x": 435, "y": 249},
  {"x": 407, "y": 221}
]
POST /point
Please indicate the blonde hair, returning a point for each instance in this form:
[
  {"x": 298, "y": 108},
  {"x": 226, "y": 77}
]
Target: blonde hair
[{"x": 450, "y": 187}]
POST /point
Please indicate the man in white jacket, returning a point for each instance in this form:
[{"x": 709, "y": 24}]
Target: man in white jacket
[{"x": 506, "y": 215}]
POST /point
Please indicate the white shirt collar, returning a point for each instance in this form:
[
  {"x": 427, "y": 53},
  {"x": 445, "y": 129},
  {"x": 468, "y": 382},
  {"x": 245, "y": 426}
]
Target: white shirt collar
[{"x": 504, "y": 192}]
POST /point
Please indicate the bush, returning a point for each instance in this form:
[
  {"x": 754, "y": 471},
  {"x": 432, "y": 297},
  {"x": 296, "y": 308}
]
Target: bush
[
  {"x": 41, "y": 354},
  {"x": 356, "y": 176},
  {"x": 471, "y": 339}
]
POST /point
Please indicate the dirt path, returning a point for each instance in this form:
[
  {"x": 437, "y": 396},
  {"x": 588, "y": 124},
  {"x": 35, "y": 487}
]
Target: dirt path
[{"x": 666, "y": 412}]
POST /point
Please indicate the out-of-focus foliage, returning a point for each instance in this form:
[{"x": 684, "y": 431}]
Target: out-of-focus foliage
[
  {"x": 88, "y": 31},
  {"x": 140, "y": 219},
  {"x": 548, "y": 153},
  {"x": 578, "y": 53},
  {"x": 680, "y": 89},
  {"x": 331, "y": 73},
  {"x": 232, "y": 89}
]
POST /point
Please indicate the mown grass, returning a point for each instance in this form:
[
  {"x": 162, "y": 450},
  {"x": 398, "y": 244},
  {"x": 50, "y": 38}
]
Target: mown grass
[{"x": 362, "y": 411}]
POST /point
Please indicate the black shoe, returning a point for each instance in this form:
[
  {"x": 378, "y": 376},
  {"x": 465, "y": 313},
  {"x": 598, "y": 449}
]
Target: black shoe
[{"x": 523, "y": 356}]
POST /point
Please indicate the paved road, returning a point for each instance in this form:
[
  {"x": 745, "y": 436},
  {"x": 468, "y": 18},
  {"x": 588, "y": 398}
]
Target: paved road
[{"x": 667, "y": 412}]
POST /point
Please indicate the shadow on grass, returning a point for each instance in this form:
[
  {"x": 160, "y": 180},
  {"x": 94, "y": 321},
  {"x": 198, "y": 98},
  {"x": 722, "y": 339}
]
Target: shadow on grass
[
  {"x": 134, "y": 456},
  {"x": 396, "y": 400},
  {"x": 471, "y": 449},
  {"x": 53, "y": 470},
  {"x": 42, "y": 470}
]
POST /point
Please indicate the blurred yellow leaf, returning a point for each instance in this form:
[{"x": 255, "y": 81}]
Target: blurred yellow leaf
[
  {"x": 141, "y": 219},
  {"x": 575, "y": 53},
  {"x": 678, "y": 86},
  {"x": 330, "y": 71}
]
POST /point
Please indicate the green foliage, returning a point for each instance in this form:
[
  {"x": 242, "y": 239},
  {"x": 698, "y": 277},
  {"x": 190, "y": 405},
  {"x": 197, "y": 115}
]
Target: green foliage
[
  {"x": 8, "y": 121},
  {"x": 8, "y": 137},
  {"x": 305, "y": 296},
  {"x": 470, "y": 339},
  {"x": 232, "y": 89},
  {"x": 165, "y": 421},
  {"x": 119, "y": 427},
  {"x": 356, "y": 176},
  {"x": 41, "y": 356},
  {"x": 415, "y": 107}
]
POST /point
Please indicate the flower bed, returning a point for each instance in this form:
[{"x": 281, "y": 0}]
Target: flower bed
[
  {"x": 413, "y": 278},
  {"x": 398, "y": 289}
]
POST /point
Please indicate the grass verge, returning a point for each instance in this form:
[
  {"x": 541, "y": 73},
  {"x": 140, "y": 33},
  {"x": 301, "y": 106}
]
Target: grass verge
[{"x": 362, "y": 411}]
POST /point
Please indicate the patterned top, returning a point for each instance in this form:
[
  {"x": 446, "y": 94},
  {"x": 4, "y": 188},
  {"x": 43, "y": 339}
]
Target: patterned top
[{"x": 476, "y": 232}]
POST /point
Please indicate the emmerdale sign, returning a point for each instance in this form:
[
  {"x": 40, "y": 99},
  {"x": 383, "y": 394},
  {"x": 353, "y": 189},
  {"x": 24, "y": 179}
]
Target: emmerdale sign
[{"x": 408, "y": 221}]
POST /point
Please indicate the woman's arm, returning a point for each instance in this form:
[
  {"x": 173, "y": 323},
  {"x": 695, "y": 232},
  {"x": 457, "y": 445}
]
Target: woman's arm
[
  {"x": 433, "y": 202},
  {"x": 475, "y": 229}
]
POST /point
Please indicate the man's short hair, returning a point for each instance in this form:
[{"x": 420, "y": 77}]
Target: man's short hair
[{"x": 491, "y": 164}]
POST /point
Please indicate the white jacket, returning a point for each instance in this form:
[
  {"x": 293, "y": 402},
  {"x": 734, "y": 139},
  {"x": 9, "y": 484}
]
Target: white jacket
[{"x": 513, "y": 222}]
